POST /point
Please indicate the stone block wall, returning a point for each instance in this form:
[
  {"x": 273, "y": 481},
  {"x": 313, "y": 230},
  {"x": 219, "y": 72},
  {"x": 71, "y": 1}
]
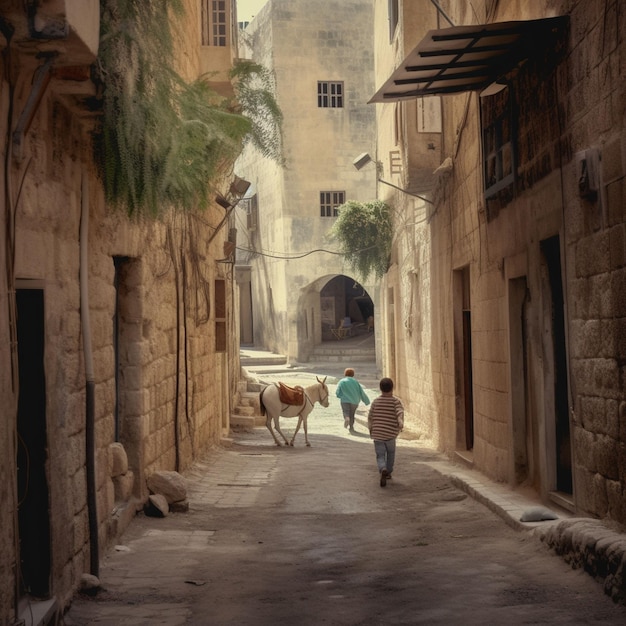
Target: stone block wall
[{"x": 161, "y": 390}]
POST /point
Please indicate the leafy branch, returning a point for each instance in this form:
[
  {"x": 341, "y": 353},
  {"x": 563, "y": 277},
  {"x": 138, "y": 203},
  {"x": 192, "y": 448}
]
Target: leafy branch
[
  {"x": 365, "y": 231},
  {"x": 164, "y": 142}
]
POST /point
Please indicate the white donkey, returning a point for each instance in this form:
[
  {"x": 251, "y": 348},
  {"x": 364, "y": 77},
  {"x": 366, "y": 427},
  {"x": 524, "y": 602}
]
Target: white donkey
[{"x": 274, "y": 408}]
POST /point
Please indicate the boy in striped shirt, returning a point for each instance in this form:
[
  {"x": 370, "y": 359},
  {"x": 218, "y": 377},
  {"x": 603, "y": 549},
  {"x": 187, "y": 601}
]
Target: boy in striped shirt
[{"x": 385, "y": 421}]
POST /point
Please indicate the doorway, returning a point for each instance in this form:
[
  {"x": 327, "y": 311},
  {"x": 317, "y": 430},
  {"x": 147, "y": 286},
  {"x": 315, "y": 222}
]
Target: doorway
[
  {"x": 127, "y": 338},
  {"x": 523, "y": 426},
  {"x": 464, "y": 386},
  {"x": 32, "y": 434},
  {"x": 557, "y": 389}
]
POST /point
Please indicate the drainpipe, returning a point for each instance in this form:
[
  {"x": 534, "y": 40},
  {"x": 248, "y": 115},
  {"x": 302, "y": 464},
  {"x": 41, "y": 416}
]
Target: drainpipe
[{"x": 90, "y": 447}]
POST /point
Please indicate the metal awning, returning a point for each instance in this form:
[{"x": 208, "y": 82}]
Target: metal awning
[{"x": 468, "y": 58}]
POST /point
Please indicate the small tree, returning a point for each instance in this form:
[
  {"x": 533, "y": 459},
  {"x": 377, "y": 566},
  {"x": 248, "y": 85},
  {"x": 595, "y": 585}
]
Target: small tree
[{"x": 364, "y": 231}]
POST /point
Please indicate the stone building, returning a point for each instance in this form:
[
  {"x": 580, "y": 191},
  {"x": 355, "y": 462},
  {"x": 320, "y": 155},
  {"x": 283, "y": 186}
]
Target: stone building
[
  {"x": 295, "y": 289},
  {"x": 504, "y": 311},
  {"x": 119, "y": 347}
]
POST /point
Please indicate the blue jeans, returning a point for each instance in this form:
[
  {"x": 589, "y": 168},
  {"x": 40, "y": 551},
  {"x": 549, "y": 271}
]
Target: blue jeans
[
  {"x": 348, "y": 412},
  {"x": 385, "y": 454}
]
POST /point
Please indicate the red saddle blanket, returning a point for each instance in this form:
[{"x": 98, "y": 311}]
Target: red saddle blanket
[{"x": 290, "y": 395}]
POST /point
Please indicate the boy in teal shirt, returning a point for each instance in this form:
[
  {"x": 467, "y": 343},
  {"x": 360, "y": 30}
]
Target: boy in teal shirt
[{"x": 350, "y": 392}]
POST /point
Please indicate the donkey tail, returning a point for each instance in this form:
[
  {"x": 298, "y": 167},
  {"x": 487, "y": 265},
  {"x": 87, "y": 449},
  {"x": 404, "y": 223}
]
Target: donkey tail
[{"x": 263, "y": 409}]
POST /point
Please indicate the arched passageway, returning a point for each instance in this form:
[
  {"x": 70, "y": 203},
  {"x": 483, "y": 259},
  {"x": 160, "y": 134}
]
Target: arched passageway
[{"x": 342, "y": 298}]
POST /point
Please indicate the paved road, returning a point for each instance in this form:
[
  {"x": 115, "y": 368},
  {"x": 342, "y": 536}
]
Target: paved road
[{"x": 306, "y": 536}]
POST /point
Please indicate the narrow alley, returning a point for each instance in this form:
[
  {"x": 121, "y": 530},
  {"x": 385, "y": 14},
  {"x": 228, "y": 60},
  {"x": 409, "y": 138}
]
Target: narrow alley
[{"x": 307, "y": 536}]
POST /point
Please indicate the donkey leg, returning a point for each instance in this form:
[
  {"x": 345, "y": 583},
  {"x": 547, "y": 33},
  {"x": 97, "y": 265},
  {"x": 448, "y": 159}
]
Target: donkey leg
[
  {"x": 268, "y": 423},
  {"x": 277, "y": 427},
  {"x": 306, "y": 434},
  {"x": 296, "y": 431}
]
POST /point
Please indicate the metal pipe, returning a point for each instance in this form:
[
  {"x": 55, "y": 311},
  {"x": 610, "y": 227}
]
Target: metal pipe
[
  {"x": 443, "y": 13},
  {"x": 410, "y": 193}
]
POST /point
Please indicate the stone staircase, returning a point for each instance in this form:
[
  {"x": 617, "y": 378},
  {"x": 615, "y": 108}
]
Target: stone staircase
[
  {"x": 344, "y": 352},
  {"x": 247, "y": 413}
]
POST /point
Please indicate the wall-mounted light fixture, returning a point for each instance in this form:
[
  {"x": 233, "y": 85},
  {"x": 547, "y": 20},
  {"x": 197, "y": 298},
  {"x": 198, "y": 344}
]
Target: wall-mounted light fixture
[
  {"x": 239, "y": 186},
  {"x": 222, "y": 201},
  {"x": 363, "y": 159},
  {"x": 237, "y": 190}
]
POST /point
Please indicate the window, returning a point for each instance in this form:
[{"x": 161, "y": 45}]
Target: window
[
  {"x": 220, "y": 315},
  {"x": 498, "y": 142},
  {"x": 329, "y": 95},
  {"x": 252, "y": 212},
  {"x": 395, "y": 162},
  {"x": 393, "y": 17},
  {"x": 214, "y": 22},
  {"x": 330, "y": 201},
  {"x": 429, "y": 115}
]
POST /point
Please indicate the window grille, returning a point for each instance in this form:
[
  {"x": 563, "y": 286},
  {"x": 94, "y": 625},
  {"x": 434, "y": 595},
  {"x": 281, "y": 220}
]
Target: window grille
[
  {"x": 215, "y": 22},
  {"x": 329, "y": 94},
  {"x": 252, "y": 213},
  {"x": 393, "y": 17},
  {"x": 498, "y": 138},
  {"x": 330, "y": 201},
  {"x": 395, "y": 162}
]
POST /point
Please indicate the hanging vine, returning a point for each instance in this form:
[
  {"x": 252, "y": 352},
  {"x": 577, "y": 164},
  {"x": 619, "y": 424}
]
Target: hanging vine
[
  {"x": 365, "y": 231},
  {"x": 164, "y": 142}
]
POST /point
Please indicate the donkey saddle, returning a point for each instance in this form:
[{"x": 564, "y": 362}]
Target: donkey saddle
[{"x": 290, "y": 395}]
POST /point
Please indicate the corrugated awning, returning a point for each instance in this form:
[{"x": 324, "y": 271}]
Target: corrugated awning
[{"x": 468, "y": 58}]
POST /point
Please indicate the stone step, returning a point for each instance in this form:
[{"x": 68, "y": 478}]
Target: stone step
[
  {"x": 347, "y": 356},
  {"x": 267, "y": 359},
  {"x": 255, "y": 387},
  {"x": 242, "y": 421},
  {"x": 330, "y": 351},
  {"x": 246, "y": 421},
  {"x": 242, "y": 410},
  {"x": 250, "y": 401}
]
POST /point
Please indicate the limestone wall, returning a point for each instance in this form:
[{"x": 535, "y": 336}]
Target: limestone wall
[
  {"x": 546, "y": 399},
  {"x": 162, "y": 389},
  {"x": 303, "y": 47}
]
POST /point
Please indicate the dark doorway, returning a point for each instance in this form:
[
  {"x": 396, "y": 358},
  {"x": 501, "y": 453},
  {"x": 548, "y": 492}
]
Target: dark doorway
[
  {"x": 523, "y": 426},
  {"x": 463, "y": 350},
  {"x": 468, "y": 384},
  {"x": 32, "y": 456},
  {"x": 555, "y": 319}
]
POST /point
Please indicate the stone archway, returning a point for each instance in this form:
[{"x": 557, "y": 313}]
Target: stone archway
[
  {"x": 322, "y": 305},
  {"x": 343, "y": 297}
]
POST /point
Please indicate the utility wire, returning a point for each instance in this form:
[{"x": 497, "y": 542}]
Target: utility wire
[{"x": 281, "y": 255}]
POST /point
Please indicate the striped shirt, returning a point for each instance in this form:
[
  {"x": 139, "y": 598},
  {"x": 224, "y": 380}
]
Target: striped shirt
[{"x": 385, "y": 418}]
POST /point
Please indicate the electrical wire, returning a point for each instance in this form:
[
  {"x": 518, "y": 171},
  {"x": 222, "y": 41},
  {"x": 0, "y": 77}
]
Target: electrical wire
[{"x": 284, "y": 255}]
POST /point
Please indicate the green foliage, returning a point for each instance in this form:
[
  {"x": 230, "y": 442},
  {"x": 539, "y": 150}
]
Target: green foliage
[
  {"x": 365, "y": 231},
  {"x": 163, "y": 142},
  {"x": 255, "y": 88}
]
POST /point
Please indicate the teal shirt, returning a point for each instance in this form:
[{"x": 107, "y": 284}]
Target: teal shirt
[{"x": 349, "y": 390}]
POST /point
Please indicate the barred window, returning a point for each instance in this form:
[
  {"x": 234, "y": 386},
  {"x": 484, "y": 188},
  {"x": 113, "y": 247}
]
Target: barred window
[
  {"x": 329, "y": 95},
  {"x": 499, "y": 140},
  {"x": 393, "y": 17},
  {"x": 330, "y": 201},
  {"x": 214, "y": 23}
]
